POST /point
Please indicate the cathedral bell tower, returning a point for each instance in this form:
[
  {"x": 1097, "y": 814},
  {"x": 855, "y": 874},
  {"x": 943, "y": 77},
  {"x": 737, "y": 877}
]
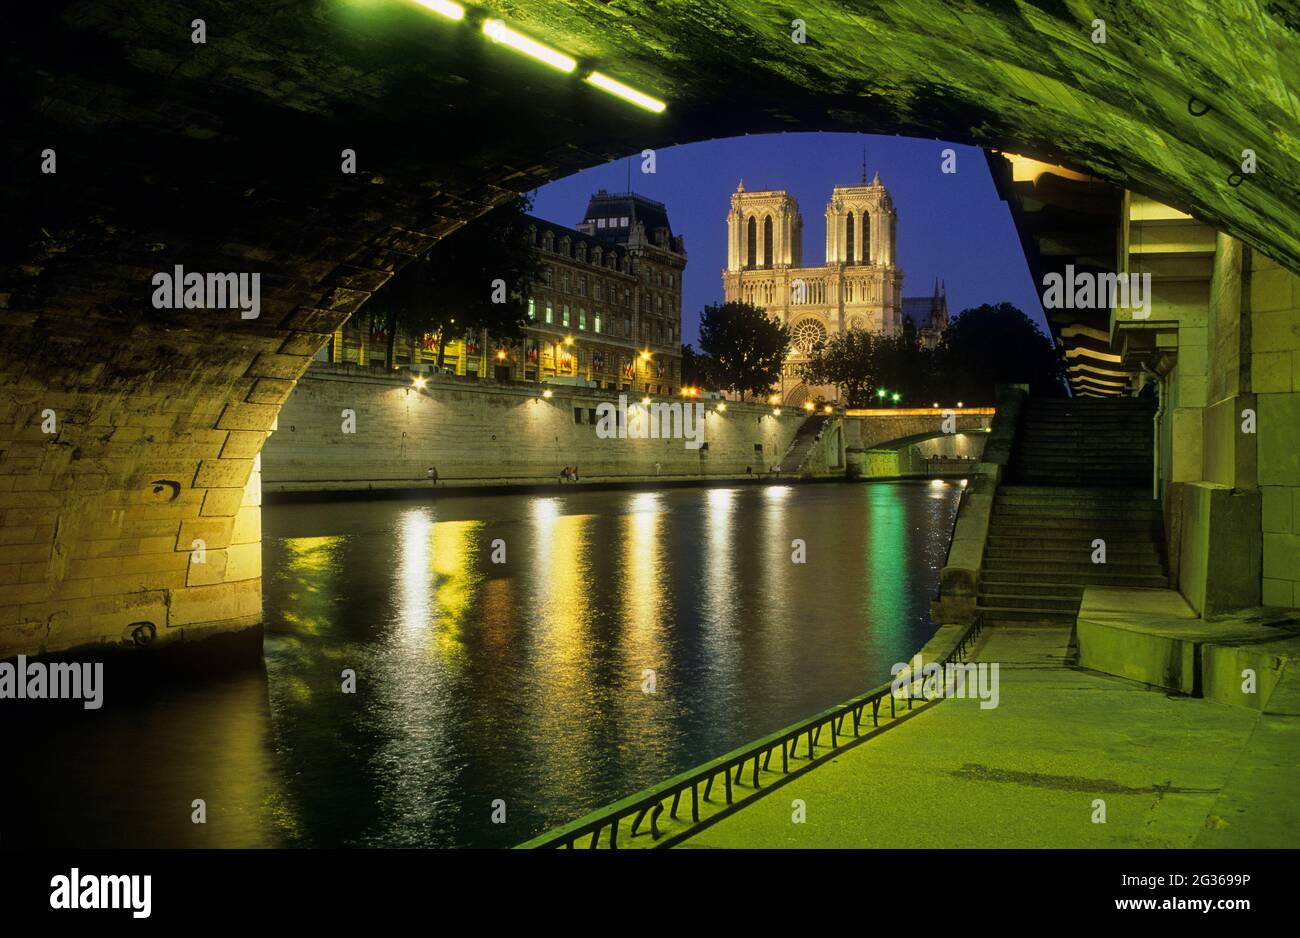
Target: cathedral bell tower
[
  {"x": 861, "y": 225},
  {"x": 764, "y": 230}
]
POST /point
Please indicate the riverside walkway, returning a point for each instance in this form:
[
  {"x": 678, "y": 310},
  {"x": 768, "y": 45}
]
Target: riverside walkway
[{"x": 1173, "y": 771}]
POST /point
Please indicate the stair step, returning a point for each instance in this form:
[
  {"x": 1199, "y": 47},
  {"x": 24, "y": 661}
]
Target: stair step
[
  {"x": 1017, "y": 495},
  {"x": 1117, "y": 554},
  {"x": 1116, "y": 541},
  {"x": 1023, "y": 601},
  {"x": 1001, "y": 579},
  {"x": 1072, "y": 568},
  {"x": 1018, "y": 614}
]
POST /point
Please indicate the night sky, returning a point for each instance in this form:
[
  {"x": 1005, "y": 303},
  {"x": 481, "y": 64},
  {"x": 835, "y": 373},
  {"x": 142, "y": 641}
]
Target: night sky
[{"x": 951, "y": 226}]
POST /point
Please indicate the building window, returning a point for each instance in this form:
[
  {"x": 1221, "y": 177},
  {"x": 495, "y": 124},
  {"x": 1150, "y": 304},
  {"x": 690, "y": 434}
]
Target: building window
[
  {"x": 582, "y": 317},
  {"x": 566, "y": 281},
  {"x": 600, "y": 223},
  {"x": 577, "y": 415},
  {"x": 751, "y": 240},
  {"x": 550, "y": 312},
  {"x": 848, "y": 240},
  {"x": 532, "y": 308},
  {"x": 596, "y": 324},
  {"x": 767, "y": 241},
  {"x": 566, "y": 315},
  {"x": 622, "y": 222}
]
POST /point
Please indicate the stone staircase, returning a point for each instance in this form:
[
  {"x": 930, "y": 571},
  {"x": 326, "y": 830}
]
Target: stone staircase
[
  {"x": 804, "y": 439},
  {"x": 1092, "y": 442},
  {"x": 1080, "y": 471}
]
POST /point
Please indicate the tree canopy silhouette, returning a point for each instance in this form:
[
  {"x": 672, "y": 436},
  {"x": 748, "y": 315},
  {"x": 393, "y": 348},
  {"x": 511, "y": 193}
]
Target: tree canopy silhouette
[
  {"x": 745, "y": 345},
  {"x": 454, "y": 288}
]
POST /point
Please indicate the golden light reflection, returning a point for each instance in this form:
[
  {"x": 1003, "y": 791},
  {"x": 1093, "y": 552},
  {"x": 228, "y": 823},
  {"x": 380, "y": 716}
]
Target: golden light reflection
[
  {"x": 567, "y": 716},
  {"x": 312, "y": 567},
  {"x": 437, "y": 580},
  {"x": 720, "y": 597}
]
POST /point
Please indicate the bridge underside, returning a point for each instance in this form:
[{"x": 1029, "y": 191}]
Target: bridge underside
[{"x": 225, "y": 156}]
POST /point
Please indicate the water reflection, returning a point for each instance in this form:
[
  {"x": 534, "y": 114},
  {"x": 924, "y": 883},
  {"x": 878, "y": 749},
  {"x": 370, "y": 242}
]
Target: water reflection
[{"x": 503, "y": 649}]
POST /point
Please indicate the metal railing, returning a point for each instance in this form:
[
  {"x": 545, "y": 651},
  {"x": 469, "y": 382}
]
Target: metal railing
[{"x": 698, "y": 783}]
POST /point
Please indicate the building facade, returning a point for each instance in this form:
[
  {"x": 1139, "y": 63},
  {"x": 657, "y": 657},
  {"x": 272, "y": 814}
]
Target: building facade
[
  {"x": 605, "y": 312},
  {"x": 859, "y": 286}
]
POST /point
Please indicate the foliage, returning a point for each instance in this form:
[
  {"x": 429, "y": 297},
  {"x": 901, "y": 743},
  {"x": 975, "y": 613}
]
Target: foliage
[
  {"x": 450, "y": 290},
  {"x": 746, "y": 347},
  {"x": 982, "y": 347}
]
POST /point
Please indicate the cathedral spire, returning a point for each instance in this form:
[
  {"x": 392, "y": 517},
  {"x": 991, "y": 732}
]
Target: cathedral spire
[{"x": 864, "y": 165}]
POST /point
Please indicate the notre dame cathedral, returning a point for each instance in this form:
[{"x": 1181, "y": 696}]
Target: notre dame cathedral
[{"x": 858, "y": 287}]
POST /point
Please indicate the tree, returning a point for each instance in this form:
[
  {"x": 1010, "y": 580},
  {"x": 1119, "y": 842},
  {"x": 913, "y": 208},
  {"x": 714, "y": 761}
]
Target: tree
[
  {"x": 997, "y": 344},
  {"x": 698, "y": 369},
  {"x": 850, "y": 361},
  {"x": 746, "y": 345},
  {"x": 475, "y": 278}
]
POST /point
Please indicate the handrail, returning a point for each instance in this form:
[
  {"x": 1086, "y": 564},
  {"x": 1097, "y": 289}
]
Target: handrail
[{"x": 786, "y": 740}]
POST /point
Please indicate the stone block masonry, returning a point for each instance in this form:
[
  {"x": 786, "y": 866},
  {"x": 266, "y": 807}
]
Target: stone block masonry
[{"x": 485, "y": 433}]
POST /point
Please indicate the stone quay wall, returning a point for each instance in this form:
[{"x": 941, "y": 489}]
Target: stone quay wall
[{"x": 347, "y": 428}]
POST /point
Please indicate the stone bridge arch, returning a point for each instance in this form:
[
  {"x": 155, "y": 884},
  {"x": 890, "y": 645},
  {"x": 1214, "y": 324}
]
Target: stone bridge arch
[{"x": 226, "y": 156}]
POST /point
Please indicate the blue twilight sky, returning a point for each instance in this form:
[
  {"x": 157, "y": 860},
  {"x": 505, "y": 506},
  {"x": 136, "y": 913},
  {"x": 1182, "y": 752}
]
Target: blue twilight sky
[{"x": 950, "y": 226}]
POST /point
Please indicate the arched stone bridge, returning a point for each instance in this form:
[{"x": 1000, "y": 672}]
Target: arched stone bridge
[
  {"x": 888, "y": 428},
  {"x": 128, "y": 433}
]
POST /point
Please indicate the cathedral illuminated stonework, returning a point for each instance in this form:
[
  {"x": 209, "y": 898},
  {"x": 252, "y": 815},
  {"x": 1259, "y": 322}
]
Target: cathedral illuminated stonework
[{"x": 858, "y": 287}]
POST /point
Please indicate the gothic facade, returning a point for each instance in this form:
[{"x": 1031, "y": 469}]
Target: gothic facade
[{"x": 859, "y": 286}]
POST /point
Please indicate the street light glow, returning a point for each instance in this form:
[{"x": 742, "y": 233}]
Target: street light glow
[
  {"x": 629, "y": 94},
  {"x": 498, "y": 31},
  {"x": 453, "y": 11}
]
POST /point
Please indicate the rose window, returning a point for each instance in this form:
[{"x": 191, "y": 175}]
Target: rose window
[{"x": 808, "y": 335}]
